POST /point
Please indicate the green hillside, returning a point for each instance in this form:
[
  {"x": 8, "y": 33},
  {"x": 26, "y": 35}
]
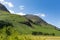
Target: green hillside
[{"x": 12, "y": 24}]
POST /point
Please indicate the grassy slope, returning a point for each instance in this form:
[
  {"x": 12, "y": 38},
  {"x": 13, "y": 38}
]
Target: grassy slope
[
  {"x": 22, "y": 28},
  {"x": 21, "y": 31}
]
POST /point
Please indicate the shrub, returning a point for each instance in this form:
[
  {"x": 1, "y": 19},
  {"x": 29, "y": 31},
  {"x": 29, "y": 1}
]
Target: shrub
[
  {"x": 4, "y": 23},
  {"x": 37, "y": 33}
]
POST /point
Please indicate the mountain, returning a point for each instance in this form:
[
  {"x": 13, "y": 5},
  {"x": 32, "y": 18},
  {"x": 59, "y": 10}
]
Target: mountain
[
  {"x": 37, "y": 20},
  {"x": 12, "y": 24},
  {"x": 2, "y": 7}
]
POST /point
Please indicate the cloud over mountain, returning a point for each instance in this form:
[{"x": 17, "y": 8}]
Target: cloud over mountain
[{"x": 10, "y": 4}]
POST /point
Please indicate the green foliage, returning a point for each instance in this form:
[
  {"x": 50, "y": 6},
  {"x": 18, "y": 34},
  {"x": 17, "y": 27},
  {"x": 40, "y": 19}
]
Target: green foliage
[
  {"x": 22, "y": 25},
  {"x": 16, "y": 27}
]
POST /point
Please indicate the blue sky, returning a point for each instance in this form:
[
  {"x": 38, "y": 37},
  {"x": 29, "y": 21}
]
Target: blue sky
[{"x": 49, "y": 10}]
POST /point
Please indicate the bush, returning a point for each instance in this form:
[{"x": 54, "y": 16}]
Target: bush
[
  {"x": 26, "y": 23},
  {"x": 8, "y": 32},
  {"x": 37, "y": 33},
  {"x": 4, "y": 23},
  {"x": 41, "y": 33}
]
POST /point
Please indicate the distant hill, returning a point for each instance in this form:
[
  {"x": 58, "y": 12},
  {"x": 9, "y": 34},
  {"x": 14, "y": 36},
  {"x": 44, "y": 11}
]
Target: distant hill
[
  {"x": 37, "y": 20},
  {"x": 27, "y": 24}
]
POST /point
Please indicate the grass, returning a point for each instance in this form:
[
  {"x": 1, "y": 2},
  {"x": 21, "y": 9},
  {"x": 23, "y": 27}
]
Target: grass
[
  {"x": 12, "y": 27},
  {"x": 30, "y": 37},
  {"x": 23, "y": 28}
]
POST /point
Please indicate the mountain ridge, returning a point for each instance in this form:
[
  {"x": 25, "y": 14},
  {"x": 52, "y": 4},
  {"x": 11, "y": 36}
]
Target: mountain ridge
[
  {"x": 27, "y": 24},
  {"x": 3, "y": 8}
]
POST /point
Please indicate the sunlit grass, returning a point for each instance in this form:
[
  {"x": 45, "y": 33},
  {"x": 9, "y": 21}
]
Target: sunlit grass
[{"x": 31, "y": 37}]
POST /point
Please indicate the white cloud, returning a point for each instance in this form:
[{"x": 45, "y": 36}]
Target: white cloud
[
  {"x": 21, "y": 7},
  {"x": 18, "y": 13},
  {"x": 43, "y": 15},
  {"x": 6, "y": 3},
  {"x": 1, "y": 0},
  {"x": 9, "y": 4},
  {"x": 40, "y": 14},
  {"x": 11, "y": 11},
  {"x": 57, "y": 24},
  {"x": 21, "y": 13}
]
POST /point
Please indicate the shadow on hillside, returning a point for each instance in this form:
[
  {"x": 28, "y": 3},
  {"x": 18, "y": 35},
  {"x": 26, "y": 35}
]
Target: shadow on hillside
[
  {"x": 41, "y": 33},
  {"x": 5, "y": 24}
]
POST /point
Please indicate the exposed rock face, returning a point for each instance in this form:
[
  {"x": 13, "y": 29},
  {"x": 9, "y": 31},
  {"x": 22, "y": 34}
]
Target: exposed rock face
[
  {"x": 2, "y": 7},
  {"x": 35, "y": 19}
]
